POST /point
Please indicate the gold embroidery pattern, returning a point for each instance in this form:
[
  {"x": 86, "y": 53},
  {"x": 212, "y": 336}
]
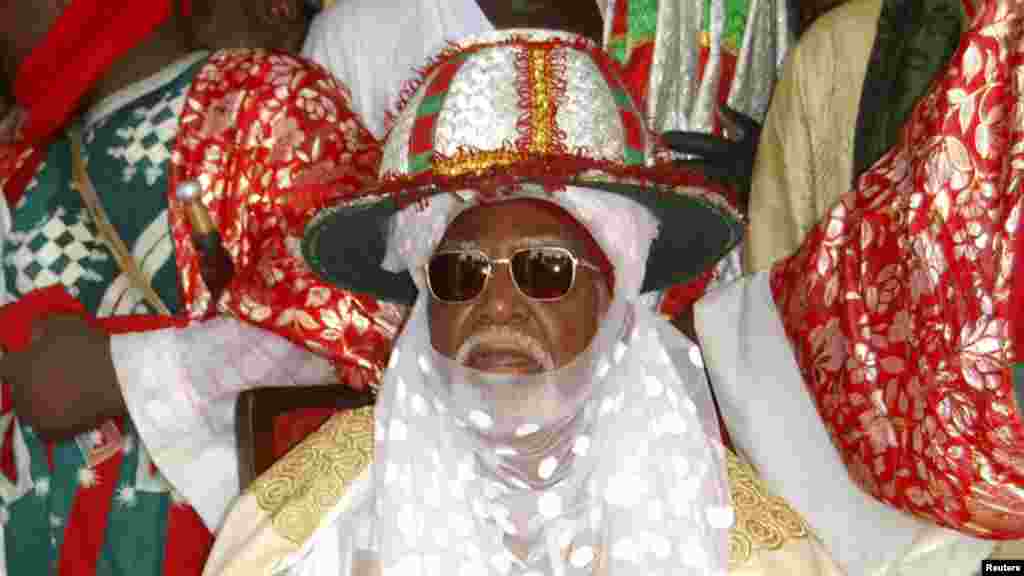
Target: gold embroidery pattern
[
  {"x": 476, "y": 162},
  {"x": 304, "y": 485},
  {"x": 542, "y": 110},
  {"x": 763, "y": 521}
]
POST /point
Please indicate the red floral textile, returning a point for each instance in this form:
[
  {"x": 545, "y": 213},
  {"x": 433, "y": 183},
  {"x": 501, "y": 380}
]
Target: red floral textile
[
  {"x": 898, "y": 304},
  {"x": 270, "y": 138}
]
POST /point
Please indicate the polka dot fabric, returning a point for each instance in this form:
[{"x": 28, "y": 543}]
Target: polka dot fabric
[{"x": 610, "y": 465}]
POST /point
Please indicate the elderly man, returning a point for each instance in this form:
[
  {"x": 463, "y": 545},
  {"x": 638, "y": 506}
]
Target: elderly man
[
  {"x": 535, "y": 417},
  {"x": 885, "y": 346},
  {"x": 684, "y": 59}
]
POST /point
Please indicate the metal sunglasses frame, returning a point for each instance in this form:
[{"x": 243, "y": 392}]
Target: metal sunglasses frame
[{"x": 489, "y": 271}]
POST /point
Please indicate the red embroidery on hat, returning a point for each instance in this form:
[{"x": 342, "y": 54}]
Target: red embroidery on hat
[
  {"x": 421, "y": 140},
  {"x": 541, "y": 87}
]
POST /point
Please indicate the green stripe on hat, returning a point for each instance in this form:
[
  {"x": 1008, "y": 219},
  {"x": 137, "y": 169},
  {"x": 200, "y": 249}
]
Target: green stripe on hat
[
  {"x": 431, "y": 105},
  {"x": 617, "y": 48},
  {"x": 421, "y": 162},
  {"x": 633, "y": 157},
  {"x": 622, "y": 99}
]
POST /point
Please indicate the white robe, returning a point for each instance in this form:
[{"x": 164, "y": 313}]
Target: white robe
[
  {"x": 374, "y": 47},
  {"x": 774, "y": 424}
]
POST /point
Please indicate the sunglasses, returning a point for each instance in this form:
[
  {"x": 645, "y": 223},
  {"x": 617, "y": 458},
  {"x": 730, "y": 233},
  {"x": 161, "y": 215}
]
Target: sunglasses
[{"x": 544, "y": 273}]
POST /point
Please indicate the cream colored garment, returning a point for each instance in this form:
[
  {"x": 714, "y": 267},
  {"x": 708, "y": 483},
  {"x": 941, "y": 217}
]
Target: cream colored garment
[{"x": 805, "y": 159}]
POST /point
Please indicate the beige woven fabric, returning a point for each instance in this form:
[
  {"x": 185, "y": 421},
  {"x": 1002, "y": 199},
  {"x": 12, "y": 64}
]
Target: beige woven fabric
[{"x": 805, "y": 159}]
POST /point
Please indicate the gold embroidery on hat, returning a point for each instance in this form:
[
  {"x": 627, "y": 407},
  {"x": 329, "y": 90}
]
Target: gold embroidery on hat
[
  {"x": 476, "y": 161},
  {"x": 542, "y": 110},
  {"x": 541, "y": 86}
]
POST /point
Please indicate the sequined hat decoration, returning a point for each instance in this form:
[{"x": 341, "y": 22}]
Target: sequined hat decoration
[{"x": 513, "y": 108}]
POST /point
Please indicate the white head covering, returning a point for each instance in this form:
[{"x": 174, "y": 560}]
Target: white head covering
[
  {"x": 375, "y": 46},
  {"x": 614, "y": 459}
]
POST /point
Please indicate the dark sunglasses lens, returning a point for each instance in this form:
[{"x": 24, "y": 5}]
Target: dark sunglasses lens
[
  {"x": 457, "y": 277},
  {"x": 543, "y": 273}
]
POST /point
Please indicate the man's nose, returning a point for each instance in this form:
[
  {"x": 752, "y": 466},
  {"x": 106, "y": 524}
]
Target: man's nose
[{"x": 501, "y": 302}]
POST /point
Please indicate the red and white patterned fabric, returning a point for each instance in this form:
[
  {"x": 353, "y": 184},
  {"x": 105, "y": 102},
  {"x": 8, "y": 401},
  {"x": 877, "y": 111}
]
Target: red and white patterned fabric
[
  {"x": 270, "y": 138},
  {"x": 899, "y": 303}
]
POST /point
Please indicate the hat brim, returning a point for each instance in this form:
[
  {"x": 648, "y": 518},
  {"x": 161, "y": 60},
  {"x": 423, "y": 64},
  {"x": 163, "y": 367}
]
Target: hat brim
[{"x": 346, "y": 244}]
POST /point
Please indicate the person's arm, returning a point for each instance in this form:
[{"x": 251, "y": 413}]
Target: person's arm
[{"x": 180, "y": 387}]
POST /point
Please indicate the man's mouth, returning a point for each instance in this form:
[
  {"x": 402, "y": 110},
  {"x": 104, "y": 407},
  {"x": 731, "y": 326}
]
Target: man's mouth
[
  {"x": 505, "y": 361},
  {"x": 504, "y": 351}
]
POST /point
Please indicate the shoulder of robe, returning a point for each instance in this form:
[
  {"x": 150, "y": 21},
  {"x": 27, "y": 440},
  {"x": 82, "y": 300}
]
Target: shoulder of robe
[
  {"x": 298, "y": 491},
  {"x": 769, "y": 537},
  {"x": 301, "y": 488}
]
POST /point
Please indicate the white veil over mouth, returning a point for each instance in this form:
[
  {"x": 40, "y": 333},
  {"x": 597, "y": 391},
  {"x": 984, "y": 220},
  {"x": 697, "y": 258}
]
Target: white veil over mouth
[{"x": 610, "y": 465}]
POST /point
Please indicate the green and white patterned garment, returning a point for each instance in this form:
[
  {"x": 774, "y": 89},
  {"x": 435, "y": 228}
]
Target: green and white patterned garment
[{"x": 54, "y": 241}]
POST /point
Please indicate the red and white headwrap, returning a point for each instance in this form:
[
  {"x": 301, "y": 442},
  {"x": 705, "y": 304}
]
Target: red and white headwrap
[{"x": 903, "y": 304}]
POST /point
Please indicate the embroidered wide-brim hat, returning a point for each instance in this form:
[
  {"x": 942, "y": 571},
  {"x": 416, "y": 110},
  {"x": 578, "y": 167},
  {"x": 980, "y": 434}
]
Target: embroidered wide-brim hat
[{"x": 515, "y": 107}]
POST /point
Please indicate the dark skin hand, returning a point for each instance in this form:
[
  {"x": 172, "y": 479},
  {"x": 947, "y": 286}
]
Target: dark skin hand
[
  {"x": 24, "y": 23},
  {"x": 64, "y": 382},
  {"x": 9, "y": 119}
]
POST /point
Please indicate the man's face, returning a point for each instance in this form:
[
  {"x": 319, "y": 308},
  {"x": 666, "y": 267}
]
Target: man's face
[{"x": 502, "y": 330}]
